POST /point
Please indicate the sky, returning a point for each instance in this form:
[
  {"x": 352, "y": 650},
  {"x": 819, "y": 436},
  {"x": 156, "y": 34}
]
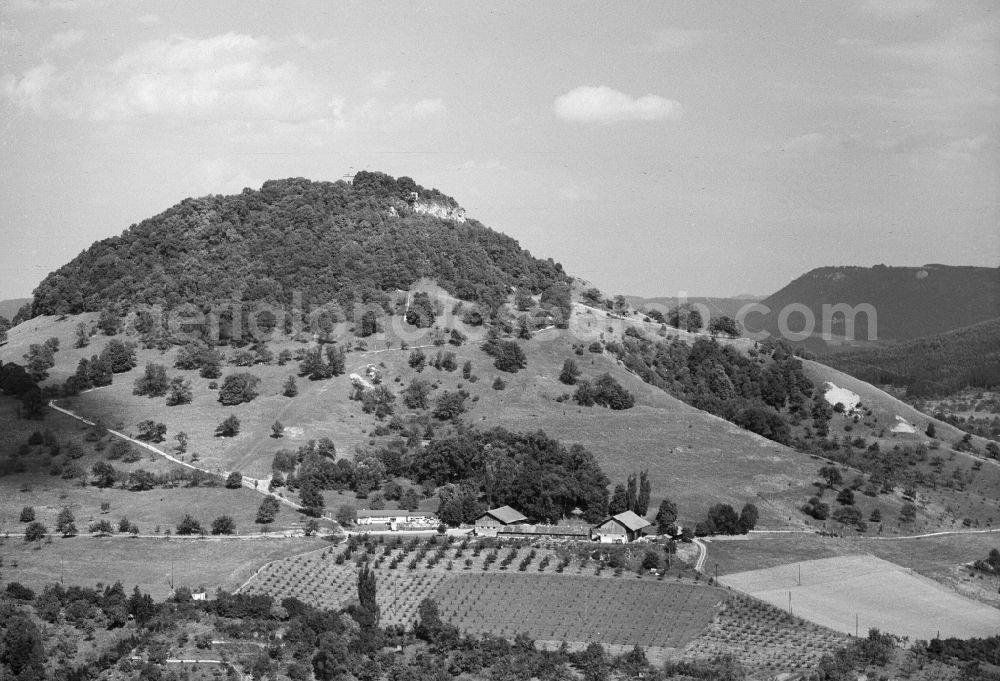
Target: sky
[{"x": 653, "y": 148}]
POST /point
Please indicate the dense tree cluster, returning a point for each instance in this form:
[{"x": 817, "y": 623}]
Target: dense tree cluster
[
  {"x": 333, "y": 243},
  {"x": 531, "y": 472},
  {"x": 507, "y": 354},
  {"x": 604, "y": 391},
  {"x": 750, "y": 391},
  {"x": 14, "y": 380}
]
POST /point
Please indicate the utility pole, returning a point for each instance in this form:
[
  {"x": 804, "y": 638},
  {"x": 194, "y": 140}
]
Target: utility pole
[
  {"x": 855, "y": 625},
  {"x": 789, "y": 602},
  {"x": 800, "y": 574}
]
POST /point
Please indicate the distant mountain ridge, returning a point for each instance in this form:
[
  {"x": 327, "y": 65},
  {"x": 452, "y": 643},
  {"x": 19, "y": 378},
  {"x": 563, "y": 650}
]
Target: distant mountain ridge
[
  {"x": 940, "y": 364},
  {"x": 9, "y": 308},
  {"x": 330, "y": 242},
  {"x": 909, "y": 302}
]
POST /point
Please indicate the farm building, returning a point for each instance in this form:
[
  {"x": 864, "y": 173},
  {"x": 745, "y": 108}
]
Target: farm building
[
  {"x": 620, "y": 529},
  {"x": 395, "y": 519},
  {"x": 572, "y": 532},
  {"x": 490, "y": 522}
]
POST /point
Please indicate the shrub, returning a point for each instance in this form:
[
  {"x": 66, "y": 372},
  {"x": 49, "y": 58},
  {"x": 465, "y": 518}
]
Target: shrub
[
  {"x": 153, "y": 383},
  {"x": 151, "y": 431},
  {"x": 229, "y": 427},
  {"x": 27, "y": 514},
  {"x": 498, "y": 383},
  {"x": 188, "y": 525},
  {"x": 19, "y": 592},
  {"x": 35, "y": 531},
  {"x": 238, "y": 388},
  {"x": 234, "y": 480},
  {"x": 224, "y": 524}
]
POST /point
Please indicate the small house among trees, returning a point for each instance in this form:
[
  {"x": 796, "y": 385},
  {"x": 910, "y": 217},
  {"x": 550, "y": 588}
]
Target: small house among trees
[{"x": 620, "y": 529}]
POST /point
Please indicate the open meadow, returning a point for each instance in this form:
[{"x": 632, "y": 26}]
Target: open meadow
[
  {"x": 855, "y": 593},
  {"x": 208, "y": 563}
]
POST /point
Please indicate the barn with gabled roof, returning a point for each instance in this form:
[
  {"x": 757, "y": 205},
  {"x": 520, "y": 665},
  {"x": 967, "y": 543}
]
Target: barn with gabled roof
[
  {"x": 620, "y": 529},
  {"x": 490, "y": 522}
]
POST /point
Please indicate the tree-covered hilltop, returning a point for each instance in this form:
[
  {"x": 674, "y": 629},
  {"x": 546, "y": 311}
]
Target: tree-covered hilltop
[{"x": 331, "y": 242}]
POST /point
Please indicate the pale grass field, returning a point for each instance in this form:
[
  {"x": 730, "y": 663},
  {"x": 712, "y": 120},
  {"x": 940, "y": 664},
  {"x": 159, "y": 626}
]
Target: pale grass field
[{"x": 882, "y": 595}]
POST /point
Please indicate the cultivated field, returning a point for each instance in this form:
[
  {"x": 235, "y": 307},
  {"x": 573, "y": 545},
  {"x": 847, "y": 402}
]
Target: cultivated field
[
  {"x": 626, "y": 611},
  {"x": 764, "y": 637},
  {"x": 409, "y": 569},
  {"x": 834, "y": 591}
]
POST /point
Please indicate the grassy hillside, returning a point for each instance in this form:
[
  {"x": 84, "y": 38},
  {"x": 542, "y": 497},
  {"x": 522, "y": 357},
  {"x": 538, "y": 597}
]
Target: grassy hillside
[
  {"x": 940, "y": 364},
  {"x": 909, "y": 302},
  {"x": 694, "y": 458}
]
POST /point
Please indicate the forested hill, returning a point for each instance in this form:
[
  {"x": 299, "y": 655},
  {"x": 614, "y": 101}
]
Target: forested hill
[
  {"x": 910, "y": 302},
  {"x": 329, "y": 241},
  {"x": 936, "y": 365}
]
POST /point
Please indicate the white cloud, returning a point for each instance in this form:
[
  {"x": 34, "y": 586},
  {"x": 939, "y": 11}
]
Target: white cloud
[
  {"x": 601, "y": 104},
  {"x": 674, "y": 39},
  {"x": 148, "y": 19},
  {"x": 65, "y": 39},
  {"x": 426, "y": 108},
  {"x": 228, "y": 77},
  {"x": 31, "y": 91}
]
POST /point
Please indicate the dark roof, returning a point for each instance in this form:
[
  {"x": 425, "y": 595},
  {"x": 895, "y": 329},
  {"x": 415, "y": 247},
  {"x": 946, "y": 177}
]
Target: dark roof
[
  {"x": 505, "y": 514},
  {"x": 629, "y": 520},
  {"x": 547, "y": 530},
  {"x": 390, "y": 513}
]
